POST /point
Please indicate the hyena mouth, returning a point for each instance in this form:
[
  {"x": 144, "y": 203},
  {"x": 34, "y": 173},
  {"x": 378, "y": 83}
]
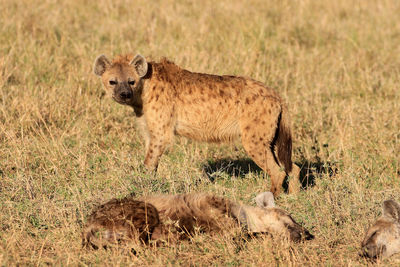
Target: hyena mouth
[
  {"x": 365, "y": 255},
  {"x": 120, "y": 100},
  {"x": 372, "y": 253}
]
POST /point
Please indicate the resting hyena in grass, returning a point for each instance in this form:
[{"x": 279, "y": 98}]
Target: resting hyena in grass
[
  {"x": 172, "y": 101},
  {"x": 170, "y": 218},
  {"x": 383, "y": 238}
]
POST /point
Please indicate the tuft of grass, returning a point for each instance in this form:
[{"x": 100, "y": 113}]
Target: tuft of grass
[{"x": 65, "y": 148}]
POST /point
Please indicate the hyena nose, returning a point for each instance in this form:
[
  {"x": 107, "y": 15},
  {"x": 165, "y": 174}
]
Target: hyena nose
[
  {"x": 307, "y": 235},
  {"x": 125, "y": 95}
]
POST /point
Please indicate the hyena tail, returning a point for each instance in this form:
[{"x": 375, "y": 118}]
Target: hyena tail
[{"x": 283, "y": 140}]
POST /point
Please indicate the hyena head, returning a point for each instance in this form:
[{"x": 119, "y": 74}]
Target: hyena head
[
  {"x": 267, "y": 218},
  {"x": 383, "y": 238},
  {"x": 122, "y": 78}
]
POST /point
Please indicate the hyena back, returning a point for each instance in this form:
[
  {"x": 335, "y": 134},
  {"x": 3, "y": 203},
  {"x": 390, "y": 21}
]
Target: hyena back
[
  {"x": 382, "y": 239},
  {"x": 170, "y": 218},
  {"x": 172, "y": 101}
]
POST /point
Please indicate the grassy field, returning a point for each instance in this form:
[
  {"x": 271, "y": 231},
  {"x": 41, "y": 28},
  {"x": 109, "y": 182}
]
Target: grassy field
[{"x": 65, "y": 148}]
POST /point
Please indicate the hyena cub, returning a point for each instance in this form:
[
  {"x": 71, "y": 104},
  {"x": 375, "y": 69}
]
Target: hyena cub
[
  {"x": 169, "y": 100},
  {"x": 170, "y": 218},
  {"x": 383, "y": 238}
]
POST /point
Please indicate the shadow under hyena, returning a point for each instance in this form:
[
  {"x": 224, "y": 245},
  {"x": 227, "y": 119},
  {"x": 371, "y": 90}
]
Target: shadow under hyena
[{"x": 239, "y": 168}]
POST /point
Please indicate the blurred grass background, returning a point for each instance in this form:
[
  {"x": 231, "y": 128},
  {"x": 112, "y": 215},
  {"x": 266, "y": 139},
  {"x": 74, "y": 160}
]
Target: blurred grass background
[{"x": 65, "y": 148}]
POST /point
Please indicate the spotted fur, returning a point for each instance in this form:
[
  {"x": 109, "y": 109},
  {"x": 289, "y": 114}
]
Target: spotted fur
[{"x": 119, "y": 220}]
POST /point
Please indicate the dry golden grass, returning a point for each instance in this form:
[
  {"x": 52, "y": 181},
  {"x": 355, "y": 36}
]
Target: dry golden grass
[{"x": 64, "y": 148}]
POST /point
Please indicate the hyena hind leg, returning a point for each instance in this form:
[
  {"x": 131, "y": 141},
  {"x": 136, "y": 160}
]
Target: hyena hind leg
[
  {"x": 294, "y": 179},
  {"x": 265, "y": 159}
]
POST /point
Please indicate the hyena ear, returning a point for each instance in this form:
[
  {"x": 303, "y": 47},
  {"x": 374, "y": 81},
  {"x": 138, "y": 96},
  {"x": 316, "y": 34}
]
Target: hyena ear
[
  {"x": 100, "y": 65},
  {"x": 140, "y": 64},
  {"x": 265, "y": 200},
  {"x": 391, "y": 209}
]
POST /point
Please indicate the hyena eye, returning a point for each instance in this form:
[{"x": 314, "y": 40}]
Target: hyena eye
[
  {"x": 113, "y": 82},
  {"x": 131, "y": 82}
]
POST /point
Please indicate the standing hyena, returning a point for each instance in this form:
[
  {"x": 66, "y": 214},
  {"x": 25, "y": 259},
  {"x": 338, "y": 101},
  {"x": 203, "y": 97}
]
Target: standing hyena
[
  {"x": 383, "y": 238},
  {"x": 170, "y": 218},
  {"x": 169, "y": 100}
]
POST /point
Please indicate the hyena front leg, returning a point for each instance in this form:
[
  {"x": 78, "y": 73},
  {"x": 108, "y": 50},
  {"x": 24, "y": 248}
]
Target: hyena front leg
[
  {"x": 160, "y": 135},
  {"x": 154, "y": 151},
  {"x": 144, "y": 132}
]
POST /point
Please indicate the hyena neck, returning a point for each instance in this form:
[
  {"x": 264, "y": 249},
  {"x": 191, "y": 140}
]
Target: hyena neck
[{"x": 140, "y": 90}]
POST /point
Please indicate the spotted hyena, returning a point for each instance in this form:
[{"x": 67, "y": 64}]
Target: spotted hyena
[
  {"x": 383, "y": 238},
  {"x": 169, "y": 100},
  {"x": 170, "y": 218}
]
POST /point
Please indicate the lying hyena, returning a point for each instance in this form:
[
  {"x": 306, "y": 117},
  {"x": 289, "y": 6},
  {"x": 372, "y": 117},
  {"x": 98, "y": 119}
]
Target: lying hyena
[
  {"x": 169, "y": 218},
  {"x": 172, "y": 101},
  {"x": 383, "y": 238}
]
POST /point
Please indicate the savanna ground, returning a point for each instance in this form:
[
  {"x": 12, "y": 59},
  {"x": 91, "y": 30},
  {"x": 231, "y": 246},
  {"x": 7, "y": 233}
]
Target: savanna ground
[{"x": 65, "y": 148}]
